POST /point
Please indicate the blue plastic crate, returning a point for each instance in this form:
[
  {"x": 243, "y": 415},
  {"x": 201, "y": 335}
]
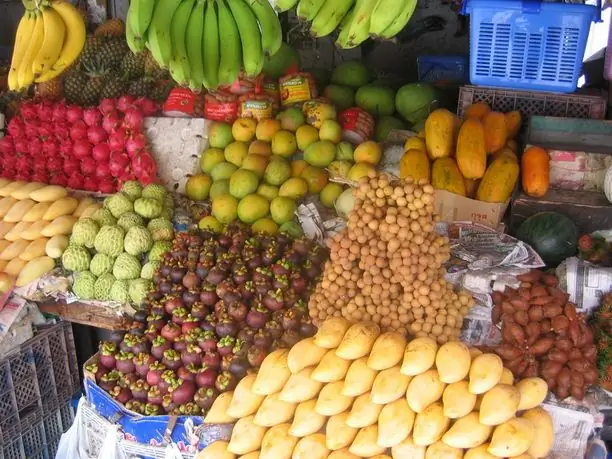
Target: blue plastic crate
[
  {"x": 148, "y": 429},
  {"x": 447, "y": 69},
  {"x": 528, "y": 44}
]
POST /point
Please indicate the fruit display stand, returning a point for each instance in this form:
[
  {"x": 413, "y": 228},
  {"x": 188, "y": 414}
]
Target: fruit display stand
[
  {"x": 151, "y": 430},
  {"x": 97, "y": 315}
]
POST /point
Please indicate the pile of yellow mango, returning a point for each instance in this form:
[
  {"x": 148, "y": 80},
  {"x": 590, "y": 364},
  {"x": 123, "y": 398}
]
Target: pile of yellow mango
[{"x": 473, "y": 157}]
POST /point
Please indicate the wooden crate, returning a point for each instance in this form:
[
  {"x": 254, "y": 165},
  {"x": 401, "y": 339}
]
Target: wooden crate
[
  {"x": 590, "y": 210},
  {"x": 88, "y": 314},
  {"x": 580, "y": 150}
]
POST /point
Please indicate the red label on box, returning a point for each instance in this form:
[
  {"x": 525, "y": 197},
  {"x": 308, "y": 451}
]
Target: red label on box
[
  {"x": 183, "y": 100},
  {"x": 359, "y": 122},
  {"x": 221, "y": 106}
]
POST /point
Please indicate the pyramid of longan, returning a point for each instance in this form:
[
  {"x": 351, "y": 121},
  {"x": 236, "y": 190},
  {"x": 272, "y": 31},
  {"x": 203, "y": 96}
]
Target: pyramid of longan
[{"x": 387, "y": 265}]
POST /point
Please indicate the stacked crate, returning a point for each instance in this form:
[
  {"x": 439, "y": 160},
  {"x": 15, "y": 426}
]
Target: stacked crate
[{"x": 37, "y": 382}]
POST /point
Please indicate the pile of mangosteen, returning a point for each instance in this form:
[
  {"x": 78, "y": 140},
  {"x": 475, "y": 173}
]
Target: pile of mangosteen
[{"x": 220, "y": 304}]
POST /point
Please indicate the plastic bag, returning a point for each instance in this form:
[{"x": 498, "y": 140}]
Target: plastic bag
[
  {"x": 73, "y": 443},
  {"x": 69, "y": 442},
  {"x": 173, "y": 452}
]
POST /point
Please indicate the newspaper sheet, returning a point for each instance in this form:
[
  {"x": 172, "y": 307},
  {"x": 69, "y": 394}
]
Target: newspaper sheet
[
  {"x": 573, "y": 424},
  {"x": 484, "y": 260},
  {"x": 585, "y": 283},
  {"x": 314, "y": 226}
]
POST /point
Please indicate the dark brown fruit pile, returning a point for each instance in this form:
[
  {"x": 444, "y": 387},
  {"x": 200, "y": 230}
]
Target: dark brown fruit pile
[
  {"x": 221, "y": 303},
  {"x": 543, "y": 335}
]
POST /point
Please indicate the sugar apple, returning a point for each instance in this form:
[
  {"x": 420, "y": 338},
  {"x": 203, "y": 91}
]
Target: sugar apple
[
  {"x": 118, "y": 204},
  {"x": 133, "y": 189},
  {"x": 104, "y": 217},
  {"x": 161, "y": 229},
  {"x": 110, "y": 240},
  {"x": 148, "y": 207},
  {"x": 83, "y": 285},
  {"x": 169, "y": 201},
  {"x": 137, "y": 241},
  {"x": 103, "y": 286},
  {"x": 155, "y": 191},
  {"x": 101, "y": 264},
  {"x": 84, "y": 232},
  {"x": 149, "y": 269},
  {"x": 129, "y": 219},
  {"x": 158, "y": 249},
  {"x": 138, "y": 289},
  {"x": 167, "y": 213},
  {"x": 120, "y": 291},
  {"x": 76, "y": 258},
  {"x": 126, "y": 267}
]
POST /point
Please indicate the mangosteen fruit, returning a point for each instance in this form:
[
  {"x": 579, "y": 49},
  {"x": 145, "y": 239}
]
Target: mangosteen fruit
[
  {"x": 189, "y": 297},
  {"x": 208, "y": 295},
  {"x": 205, "y": 377},
  {"x": 256, "y": 355},
  {"x": 238, "y": 311},
  {"x": 246, "y": 334},
  {"x": 172, "y": 359},
  {"x": 226, "y": 327},
  {"x": 225, "y": 381},
  {"x": 154, "y": 374},
  {"x": 177, "y": 274},
  {"x": 225, "y": 345},
  {"x": 216, "y": 275},
  {"x": 274, "y": 328},
  {"x": 199, "y": 310},
  {"x": 211, "y": 359},
  {"x": 205, "y": 396}
]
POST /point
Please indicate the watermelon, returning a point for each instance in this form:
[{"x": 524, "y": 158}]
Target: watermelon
[{"x": 551, "y": 234}]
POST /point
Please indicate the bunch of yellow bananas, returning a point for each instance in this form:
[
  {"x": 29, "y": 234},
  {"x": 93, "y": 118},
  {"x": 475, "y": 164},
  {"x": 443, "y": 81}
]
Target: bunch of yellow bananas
[
  {"x": 357, "y": 20},
  {"x": 205, "y": 43},
  {"x": 50, "y": 36}
]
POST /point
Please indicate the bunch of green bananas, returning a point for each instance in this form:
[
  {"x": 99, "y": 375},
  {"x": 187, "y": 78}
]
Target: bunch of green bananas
[
  {"x": 49, "y": 38},
  {"x": 205, "y": 43},
  {"x": 357, "y": 20}
]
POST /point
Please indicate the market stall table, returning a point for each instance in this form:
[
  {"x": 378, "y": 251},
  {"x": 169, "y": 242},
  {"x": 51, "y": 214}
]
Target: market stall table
[{"x": 87, "y": 314}]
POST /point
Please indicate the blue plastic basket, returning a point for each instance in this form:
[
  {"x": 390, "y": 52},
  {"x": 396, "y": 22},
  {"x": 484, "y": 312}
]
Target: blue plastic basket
[
  {"x": 528, "y": 44},
  {"x": 150, "y": 429},
  {"x": 447, "y": 69}
]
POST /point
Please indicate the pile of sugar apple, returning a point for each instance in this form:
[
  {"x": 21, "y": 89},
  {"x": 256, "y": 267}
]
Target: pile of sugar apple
[{"x": 115, "y": 252}]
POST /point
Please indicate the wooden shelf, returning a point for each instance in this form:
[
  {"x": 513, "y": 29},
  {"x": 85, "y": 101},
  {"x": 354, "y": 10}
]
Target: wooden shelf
[{"x": 87, "y": 314}]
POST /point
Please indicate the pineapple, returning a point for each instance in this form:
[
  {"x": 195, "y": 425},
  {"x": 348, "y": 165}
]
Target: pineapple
[
  {"x": 152, "y": 68},
  {"x": 133, "y": 65},
  {"x": 161, "y": 91},
  {"x": 98, "y": 75},
  {"x": 141, "y": 87},
  {"x": 111, "y": 27},
  {"x": 115, "y": 87},
  {"x": 74, "y": 83},
  {"x": 51, "y": 89},
  {"x": 111, "y": 51},
  {"x": 90, "y": 51}
]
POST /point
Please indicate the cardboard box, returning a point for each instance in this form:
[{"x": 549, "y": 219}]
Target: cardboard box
[{"x": 452, "y": 207}]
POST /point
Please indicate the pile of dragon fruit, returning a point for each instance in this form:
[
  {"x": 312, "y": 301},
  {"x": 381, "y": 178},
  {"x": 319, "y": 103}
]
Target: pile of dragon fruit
[{"x": 94, "y": 149}]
